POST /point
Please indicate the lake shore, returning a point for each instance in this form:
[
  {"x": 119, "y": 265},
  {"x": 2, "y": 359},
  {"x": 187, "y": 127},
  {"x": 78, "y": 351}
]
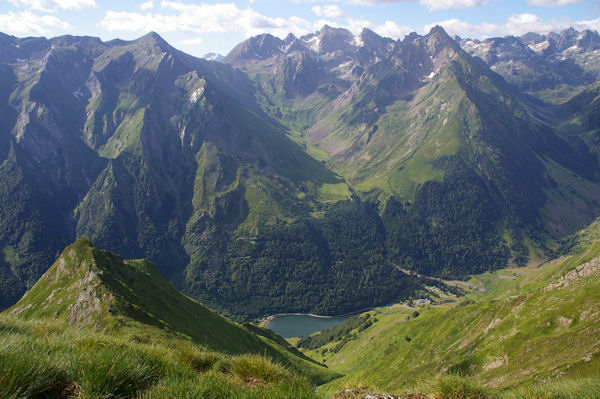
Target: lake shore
[{"x": 265, "y": 322}]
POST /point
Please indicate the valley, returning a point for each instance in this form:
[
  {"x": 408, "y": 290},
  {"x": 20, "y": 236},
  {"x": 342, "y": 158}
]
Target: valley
[{"x": 156, "y": 207}]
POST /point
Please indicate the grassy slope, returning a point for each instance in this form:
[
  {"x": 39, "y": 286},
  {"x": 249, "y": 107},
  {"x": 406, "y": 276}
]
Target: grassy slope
[
  {"x": 88, "y": 287},
  {"x": 44, "y": 359},
  {"x": 513, "y": 334},
  {"x": 397, "y": 159}
]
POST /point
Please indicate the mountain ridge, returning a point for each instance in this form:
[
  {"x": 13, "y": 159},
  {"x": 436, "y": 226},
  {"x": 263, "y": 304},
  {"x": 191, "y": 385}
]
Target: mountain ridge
[
  {"x": 412, "y": 151},
  {"x": 88, "y": 288}
]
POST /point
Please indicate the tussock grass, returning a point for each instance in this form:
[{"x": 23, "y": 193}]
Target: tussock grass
[
  {"x": 198, "y": 360},
  {"x": 112, "y": 372},
  {"x": 454, "y": 386},
  {"x": 588, "y": 388},
  {"x": 24, "y": 375},
  {"x": 257, "y": 367},
  {"x": 47, "y": 359}
]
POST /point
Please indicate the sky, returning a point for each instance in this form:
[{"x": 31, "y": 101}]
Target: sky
[{"x": 200, "y": 27}]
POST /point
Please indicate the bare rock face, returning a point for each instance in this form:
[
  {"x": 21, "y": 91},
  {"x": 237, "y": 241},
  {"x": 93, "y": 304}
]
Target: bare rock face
[
  {"x": 585, "y": 270},
  {"x": 86, "y": 305}
]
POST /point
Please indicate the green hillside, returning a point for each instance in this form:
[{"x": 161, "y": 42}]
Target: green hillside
[
  {"x": 96, "y": 291},
  {"x": 516, "y": 327}
]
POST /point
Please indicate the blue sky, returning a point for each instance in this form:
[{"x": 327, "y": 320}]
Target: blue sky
[{"x": 199, "y": 27}]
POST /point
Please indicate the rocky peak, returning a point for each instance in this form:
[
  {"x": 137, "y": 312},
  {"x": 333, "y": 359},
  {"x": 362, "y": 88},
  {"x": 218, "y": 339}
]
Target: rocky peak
[
  {"x": 437, "y": 40},
  {"x": 568, "y": 38},
  {"x": 72, "y": 288},
  {"x": 330, "y": 40},
  {"x": 588, "y": 40},
  {"x": 290, "y": 38},
  {"x": 372, "y": 47},
  {"x": 372, "y": 40},
  {"x": 292, "y": 44},
  {"x": 531, "y": 37},
  {"x": 256, "y": 48},
  {"x": 153, "y": 39},
  {"x": 213, "y": 57}
]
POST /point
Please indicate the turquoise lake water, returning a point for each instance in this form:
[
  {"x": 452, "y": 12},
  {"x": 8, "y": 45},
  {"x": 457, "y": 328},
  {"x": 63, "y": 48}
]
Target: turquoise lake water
[{"x": 302, "y": 325}]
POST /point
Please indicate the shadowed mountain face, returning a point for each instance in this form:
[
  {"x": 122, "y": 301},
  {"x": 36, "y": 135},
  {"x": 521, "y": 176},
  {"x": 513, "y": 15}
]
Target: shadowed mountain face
[{"x": 295, "y": 175}]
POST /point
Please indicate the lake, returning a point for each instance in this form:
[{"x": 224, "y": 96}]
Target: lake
[{"x": 301, "y": 325}]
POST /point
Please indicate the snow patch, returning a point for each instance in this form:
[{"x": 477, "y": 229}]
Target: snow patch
[
  {"x": 314, "y": 43},
  {"x": 476, "y": 47},
  {"x": 358, "y": 41},
  {"x": 539, "y": 47}
]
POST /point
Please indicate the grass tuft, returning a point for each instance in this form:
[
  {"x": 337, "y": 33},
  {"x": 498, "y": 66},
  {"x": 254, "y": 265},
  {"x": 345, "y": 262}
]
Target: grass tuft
[
  {"x": 27, "y": 376},
  {"x": 588, "y": 388},
  {"x": 258, "y": 369},
  {"x": 200, "y": 361},
  {"x": 453, "y": 386},
  {"x": 114, "y": 373}
]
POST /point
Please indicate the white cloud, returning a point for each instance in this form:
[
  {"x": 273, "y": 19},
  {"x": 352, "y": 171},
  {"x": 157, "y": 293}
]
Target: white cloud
[
  {"x": 445, "y": 4},
  {"x": 192, "y": 42},
  {"x": 516, "y": 25},
  {"x": 220, "y": 17},
  {"x": 53, "y": 5},
  {"x": 593, "y": 24},
  {"x": 354, "y": 2},
  {"x": 147, "y": 5},
  {"x": 522, "y": 23},
  {"x": 375, "y": 2},
  {"x": 254, "y": 23},
  {"x": 329, "y": 11},
  {"x": 457, "y": 27},
  {"x": 552, "y": 3},
  {"x": 26, "y": 23},
  {"x": 357, "y": 25},
  {"x": 393, "y": 30},
  {"x": 430, "y": 4}
]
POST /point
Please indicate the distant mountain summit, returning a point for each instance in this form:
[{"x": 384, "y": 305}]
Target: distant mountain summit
[
  {"x": 540, "y": 64},
  {"x": 213, "y": 57}
]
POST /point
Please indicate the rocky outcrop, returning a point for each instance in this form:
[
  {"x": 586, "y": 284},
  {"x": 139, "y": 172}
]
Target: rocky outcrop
[{"x": 585, "y": 270}]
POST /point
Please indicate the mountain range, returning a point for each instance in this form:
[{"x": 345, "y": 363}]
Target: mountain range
[{"x": 306, "y": 174}]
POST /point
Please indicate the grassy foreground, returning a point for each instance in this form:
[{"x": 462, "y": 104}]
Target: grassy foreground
[{"x": 42, "y": 359}]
